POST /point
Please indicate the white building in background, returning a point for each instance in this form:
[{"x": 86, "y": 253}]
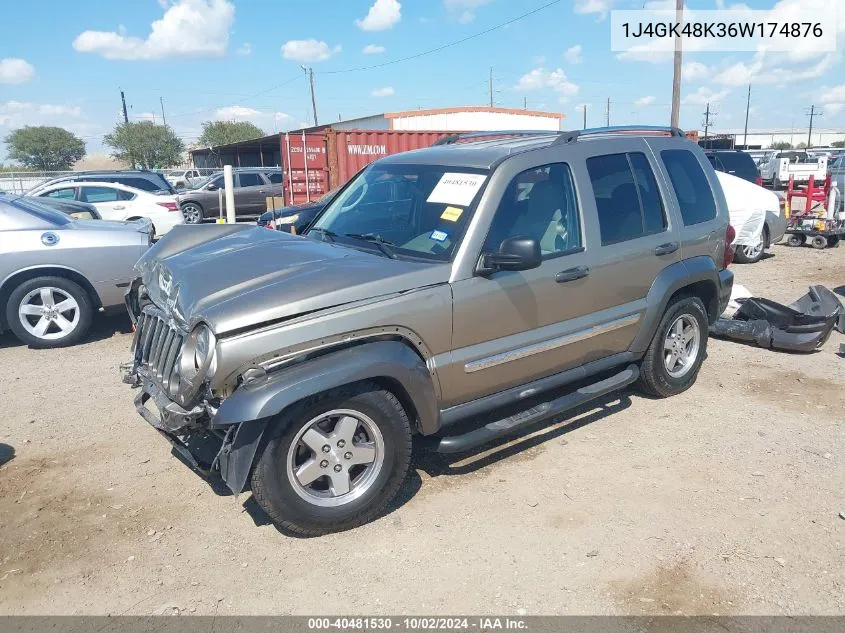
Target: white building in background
[
  {"x": 477, "y": 118},
  {"x": 822, "y": 137}
]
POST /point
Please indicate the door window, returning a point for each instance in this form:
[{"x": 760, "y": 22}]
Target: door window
[
  {"x": 99, "y": 194},
  {"x": 539, "y": 203},
  {"x": 62, "y": 194},
  {"x": 275, "y": 177},
  {"x": 627, "y": 198},
  {"x": 690, "y": 184},
  {"x": 249, "y": 180}
]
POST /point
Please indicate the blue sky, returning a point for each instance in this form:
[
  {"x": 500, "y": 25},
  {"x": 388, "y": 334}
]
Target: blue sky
[{"x": 241, "y": 59}]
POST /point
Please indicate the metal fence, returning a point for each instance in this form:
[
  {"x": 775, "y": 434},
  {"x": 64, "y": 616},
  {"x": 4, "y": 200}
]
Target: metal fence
[{"x": 19, "y": 182}]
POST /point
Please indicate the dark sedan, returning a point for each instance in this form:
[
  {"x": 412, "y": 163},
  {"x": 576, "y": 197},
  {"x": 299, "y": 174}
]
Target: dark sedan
[{"x": 295, "y": 219}]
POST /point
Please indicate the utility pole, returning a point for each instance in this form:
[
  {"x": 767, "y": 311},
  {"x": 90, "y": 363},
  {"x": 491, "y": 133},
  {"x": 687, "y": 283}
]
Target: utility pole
[
  {"x": 585, "y": 116},
  {"x": 524, "y": 103},
  {"x": 812, "y": 114},
  {"x": 309, "y": 73},
  {"x": 676, "y": 78},
  {"x": 125, "y": 114},
  {"x": 161, "y": 101},
  {"x": 747, "y": 109},
  {"x": 707, "y": 123},
  {"x": 607, "y": 113},
  {"x": 490, "y": 83}
]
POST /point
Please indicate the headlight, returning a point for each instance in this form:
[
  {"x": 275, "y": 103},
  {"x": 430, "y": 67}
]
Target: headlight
[
  {"x": 288, "y": 219},
  {"x": 196, "y": 360}
]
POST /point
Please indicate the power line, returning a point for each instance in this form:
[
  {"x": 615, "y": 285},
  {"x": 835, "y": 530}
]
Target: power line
[
  {"x": 444, "y": 46},
  {"x": 260, "y": 92}
]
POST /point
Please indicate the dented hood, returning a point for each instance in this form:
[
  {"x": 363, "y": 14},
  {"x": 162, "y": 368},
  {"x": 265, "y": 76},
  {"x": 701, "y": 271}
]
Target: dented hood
[{"x": 237, "y": 276}]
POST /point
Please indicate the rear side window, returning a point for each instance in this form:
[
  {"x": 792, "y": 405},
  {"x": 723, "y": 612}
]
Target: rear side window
[
  {"x": 99, "y": 194},
  {"x": 690, "y": 184},
  {"x": 739, "y": 165},
  {"x": 139, "y": 183},
  {"x": 627, "y": 198},
  {"x": 249, "y": 180}
]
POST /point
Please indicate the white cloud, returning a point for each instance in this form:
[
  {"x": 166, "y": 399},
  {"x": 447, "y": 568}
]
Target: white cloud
[
  {"x": 705, "y": 95},
  {"x": 373, "y": 49},
  {"x": 308, "y": 50},
  {"x": 642, "y": 102},
  {"x": 829, "y": 95},
  {"x": 14, "y": 70},
  {"x": 766, "y": 68},
  {"x": 383, "y": 92},
  {"x": 144, "y": 116},
  {"x": 16, "y": 114},
  {"x": 465, "y": 9},
  {"x": 573, "y": 54},
  {"x": 383, "y": 15},
  {"x": 264, "y": 120},
  {"x": 187, "y": 28},
  {"x": 593, "y": 6},
  {"x": 245, "y": 49},
  {"x": 694, "y": 70},
  {"x": 540, "y": 78},
  {"x": 832, "y": 109}
]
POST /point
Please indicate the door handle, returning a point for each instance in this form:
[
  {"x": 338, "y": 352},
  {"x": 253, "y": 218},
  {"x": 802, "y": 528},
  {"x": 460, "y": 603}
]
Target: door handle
[
  {"x": 119, "y": 207},
  {"x": 261, "y": 191},
  {"x": 571, "y": 274},
  {"x": 667, "y": 248}
]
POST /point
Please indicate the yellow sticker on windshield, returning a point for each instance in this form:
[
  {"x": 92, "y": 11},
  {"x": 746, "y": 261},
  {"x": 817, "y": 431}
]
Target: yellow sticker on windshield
[{"x": 451, "y": 213}]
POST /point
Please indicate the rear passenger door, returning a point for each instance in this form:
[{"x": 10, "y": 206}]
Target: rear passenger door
[
  {"x": 637, "y": 237},
  {"x": 250, "y": 194}
]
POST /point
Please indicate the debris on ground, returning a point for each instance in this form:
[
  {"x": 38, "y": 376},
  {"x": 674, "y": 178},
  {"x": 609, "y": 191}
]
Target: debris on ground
[{"x": 803, "y": 326}]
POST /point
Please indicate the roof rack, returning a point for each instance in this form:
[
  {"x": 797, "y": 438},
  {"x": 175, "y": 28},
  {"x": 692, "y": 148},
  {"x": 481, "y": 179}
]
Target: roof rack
[
  {"x": 454, "y": 138},
  {"x": 644, "y": 130}
]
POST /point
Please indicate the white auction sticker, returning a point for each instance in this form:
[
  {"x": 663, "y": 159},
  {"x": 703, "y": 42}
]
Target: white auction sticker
[{"x": 456, "y": 188}]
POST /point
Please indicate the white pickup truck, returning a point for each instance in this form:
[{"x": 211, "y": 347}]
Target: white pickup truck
[{"x": 777, "y": 168}]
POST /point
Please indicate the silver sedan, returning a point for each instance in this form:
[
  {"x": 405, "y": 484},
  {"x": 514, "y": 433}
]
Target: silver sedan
[{"x": 55, "y": 272}]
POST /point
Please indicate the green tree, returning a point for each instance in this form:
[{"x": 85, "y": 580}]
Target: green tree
[
  {"x": 216, "y": 133},
  {"x": 145, "y": 145},
  {"x": 801, "y": 146},
  {"x": 838, "y": 144},
  {"x": 45, "y": 148},
  {"x": 781, "y": 145}
]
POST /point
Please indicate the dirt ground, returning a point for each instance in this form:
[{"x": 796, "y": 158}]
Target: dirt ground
[{"x": 725, "y": 500}]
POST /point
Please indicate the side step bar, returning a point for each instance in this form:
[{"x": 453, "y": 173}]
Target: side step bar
[{"x": 507, "y": 426}]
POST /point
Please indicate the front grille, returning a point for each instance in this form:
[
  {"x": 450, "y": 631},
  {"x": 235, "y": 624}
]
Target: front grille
[{"x": 157, "y": 343}]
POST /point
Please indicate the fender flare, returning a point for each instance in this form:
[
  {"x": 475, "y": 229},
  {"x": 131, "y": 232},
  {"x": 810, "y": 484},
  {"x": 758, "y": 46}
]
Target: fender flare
[
  {"x": 674, "y": 277},
  {"x": 250, "y": 408}
]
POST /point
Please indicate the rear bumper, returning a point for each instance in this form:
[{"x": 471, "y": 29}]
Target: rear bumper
[{"x": 726, "y": 284}]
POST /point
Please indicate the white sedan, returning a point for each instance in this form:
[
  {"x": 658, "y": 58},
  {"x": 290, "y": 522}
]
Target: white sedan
[{"x": 119, "y": 202}]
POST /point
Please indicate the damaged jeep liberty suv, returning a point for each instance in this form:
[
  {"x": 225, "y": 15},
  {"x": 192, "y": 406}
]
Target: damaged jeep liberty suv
[{"x": 502, "y": 277}]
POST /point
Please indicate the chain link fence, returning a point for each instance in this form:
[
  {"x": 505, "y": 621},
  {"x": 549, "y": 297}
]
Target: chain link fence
[{"x": 19, "y": 182}]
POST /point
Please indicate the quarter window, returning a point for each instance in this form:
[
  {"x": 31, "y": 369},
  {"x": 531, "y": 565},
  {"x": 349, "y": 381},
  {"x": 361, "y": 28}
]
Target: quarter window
[
  {"x": 627, "y": 197},
  {"x": 695, "y": 197},
  {"x": 62, "y": 194},
  {"x": 539, "y": 203}
]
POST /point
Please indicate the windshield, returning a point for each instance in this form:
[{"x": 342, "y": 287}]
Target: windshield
[{"x": 414, "y": 211}]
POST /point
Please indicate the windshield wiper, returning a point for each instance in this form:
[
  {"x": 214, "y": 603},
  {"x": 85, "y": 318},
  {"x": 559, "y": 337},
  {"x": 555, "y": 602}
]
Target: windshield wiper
[
  {"x": 329, "y": 234},
  {"x": 385, "y": 246}
]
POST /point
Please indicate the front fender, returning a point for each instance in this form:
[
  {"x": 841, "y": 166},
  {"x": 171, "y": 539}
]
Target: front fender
[{"x": 251, "y": 405}]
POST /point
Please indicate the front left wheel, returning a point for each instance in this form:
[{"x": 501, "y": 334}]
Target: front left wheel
[
  {"x": 334, "y": 461},
  {"x": 49, "y": 312}
]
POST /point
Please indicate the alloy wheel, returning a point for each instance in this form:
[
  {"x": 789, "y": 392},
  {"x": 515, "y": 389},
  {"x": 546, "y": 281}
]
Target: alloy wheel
[
  {"x": 49, "y": 313},
  {"x": 681, "y": 345}
]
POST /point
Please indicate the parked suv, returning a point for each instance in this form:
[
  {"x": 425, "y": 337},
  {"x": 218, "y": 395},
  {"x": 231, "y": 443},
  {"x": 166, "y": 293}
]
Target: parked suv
[
  {"x": 507, "y": 277},
  {"x": 252, "y": 188},
  {"x": 144, "y": 180}
]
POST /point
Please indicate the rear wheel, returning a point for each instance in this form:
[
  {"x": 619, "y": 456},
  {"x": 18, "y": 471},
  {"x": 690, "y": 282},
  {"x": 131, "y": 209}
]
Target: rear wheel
[
  {"x": 49, "y": 312},
  {"x": 796, "y": 239},
  {"x": 819, "y": 242},
  {"x": 334, "y": 461},
  {"x": 753, "y": 253},
  {"x": 192, "y": 212},
  {"x": 671, "y": 363},
  {"x": 833, "y": 241}
]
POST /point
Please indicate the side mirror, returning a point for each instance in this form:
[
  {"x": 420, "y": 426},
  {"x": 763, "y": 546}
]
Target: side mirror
[
  {"x": 211, "y": 187},
  {"x": 515, "y": 253}
]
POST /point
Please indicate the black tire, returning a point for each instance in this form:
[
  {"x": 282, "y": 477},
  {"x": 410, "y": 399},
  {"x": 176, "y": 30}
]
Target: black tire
[
  {"x": 274, "y": 491},
  {"x": 741, "y": 257},
  {"x": 818, "y": 242},
  {"x": 833, "y": 241},
  {"x": 193, "y": 212},
  {"x": 655, "y": 379},
  {"x": 796, "y": 239},
  {"x": 64, "y": 286}
]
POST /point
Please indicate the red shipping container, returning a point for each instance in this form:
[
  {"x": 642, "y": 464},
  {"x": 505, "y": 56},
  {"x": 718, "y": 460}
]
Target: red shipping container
[{"x": 332, "y": 157}]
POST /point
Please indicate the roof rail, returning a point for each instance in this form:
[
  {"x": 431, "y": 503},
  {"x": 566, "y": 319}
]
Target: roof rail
[
  {"x": 454, "y": 138},
  {"x": 645, "y": 130}
]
